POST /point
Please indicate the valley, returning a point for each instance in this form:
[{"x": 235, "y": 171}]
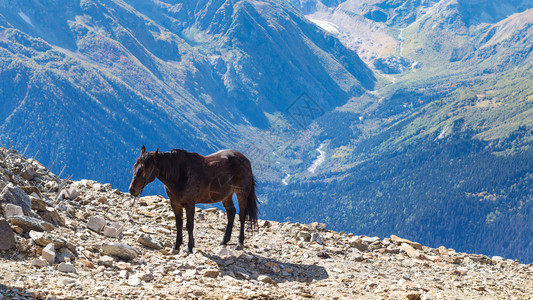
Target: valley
[{"x": 374, "y": 117}]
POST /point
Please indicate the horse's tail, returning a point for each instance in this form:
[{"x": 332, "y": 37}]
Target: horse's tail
[{"x": 251, "y": 206}]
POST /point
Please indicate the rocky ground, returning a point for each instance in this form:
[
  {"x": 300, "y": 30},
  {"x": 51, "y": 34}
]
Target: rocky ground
[{"x": 57, "y": 241}]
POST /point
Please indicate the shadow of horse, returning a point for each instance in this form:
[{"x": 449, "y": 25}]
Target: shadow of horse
[{"x": 250, "y": 266}]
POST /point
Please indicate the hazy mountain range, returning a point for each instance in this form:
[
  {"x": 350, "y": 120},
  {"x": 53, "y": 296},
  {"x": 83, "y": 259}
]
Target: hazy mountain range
[{"x": 377, "y": 117}]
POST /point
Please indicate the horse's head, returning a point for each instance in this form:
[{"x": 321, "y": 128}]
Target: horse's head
[{"x": 144, "y": 171}]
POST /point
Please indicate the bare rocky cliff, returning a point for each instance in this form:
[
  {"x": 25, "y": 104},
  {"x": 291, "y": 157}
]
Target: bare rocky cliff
[{"x": 56, "y": 241}]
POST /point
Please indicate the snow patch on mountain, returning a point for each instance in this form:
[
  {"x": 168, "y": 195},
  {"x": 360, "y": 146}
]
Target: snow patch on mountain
[{"x": 26, "y": 18}]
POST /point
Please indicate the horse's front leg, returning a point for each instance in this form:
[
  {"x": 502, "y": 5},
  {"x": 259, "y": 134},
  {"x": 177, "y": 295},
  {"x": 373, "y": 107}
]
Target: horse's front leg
[
  {"x": 190, "y": 224},
  {"x": 178, "y": 213}
]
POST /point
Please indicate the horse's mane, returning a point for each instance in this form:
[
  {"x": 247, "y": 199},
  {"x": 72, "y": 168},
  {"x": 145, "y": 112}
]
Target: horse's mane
[{"x": 177, "y": 163}]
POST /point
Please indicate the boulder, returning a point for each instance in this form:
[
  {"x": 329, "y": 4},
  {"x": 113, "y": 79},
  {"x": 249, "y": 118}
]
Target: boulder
[
  {"x": 119, "y": 250},
  {"x": 14, "y": 195},
  {"x": 96, "y": 223},
  {"x": 7, "y": 237},
  {"x": 29, "y": 223},
  {"x": 12, "y": 210}
]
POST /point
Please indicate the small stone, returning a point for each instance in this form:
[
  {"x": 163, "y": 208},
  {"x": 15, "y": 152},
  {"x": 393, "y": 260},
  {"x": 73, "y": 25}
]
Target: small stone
[
  {"x": 112, "y": 229},
  {"x": 71, "y": 193},
  {"x": 411, "y": 252},
  {"x": 124, "y": 274},
  {"x": 123, "y": 266},
  {"x": 105, "y": 261},
  {"x": 265, "y": 224},
  {"x": 30, "y": 223},
  {"x": 305, "y": 236},
  {"x": 134, "y": 281},
  {"x": 44, "y": 238},
  {"x": 190, "y": 273},
  {"x": 398, "y": 240},
  {"x": 412, "y": 296},
  {"x": 37, "y": 204},
  {"x": 442, "y": 250},
  {"x": 49, "y": 253},
  {"x": 370, "y": 240},
  {"x": 7, "y": 237},
  {"x": 149, "y": 242},
  {"x": 315, "y": 237},
  {"x": 146, "y": 277},
  {"x": 12, "y": 210},
  {"x": 27, "y": 172},
  {"x": 39, "y": 262},
  {"x": 358, "y": 243},
  {"x": 265, "y": 279},
  {"x": 18, "y": 229},
  {"x": 66, "y": 268},
  {"x": 52, "y": 216},
  {"x": 211, "y": 273},
  {"x": 120, "y": 250},
  {"x": 86, "y": 263},
  {"x": 497, "y": 259},
  {"x": 96, "y": 223},
  {"x": 323, "y": 254}
]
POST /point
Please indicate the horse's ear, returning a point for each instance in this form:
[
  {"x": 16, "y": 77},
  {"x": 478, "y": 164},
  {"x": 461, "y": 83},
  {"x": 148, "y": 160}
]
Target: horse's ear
[
  {"x": 156, "y": 151},
  {"x": 143, "y": 149}
]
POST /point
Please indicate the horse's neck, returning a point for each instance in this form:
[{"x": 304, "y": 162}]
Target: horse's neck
[{"x": 173, "y": 167}]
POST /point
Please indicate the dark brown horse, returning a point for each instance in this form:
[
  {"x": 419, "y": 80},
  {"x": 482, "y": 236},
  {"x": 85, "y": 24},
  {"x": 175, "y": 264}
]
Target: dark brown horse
[{"x": 191, "y": 178}]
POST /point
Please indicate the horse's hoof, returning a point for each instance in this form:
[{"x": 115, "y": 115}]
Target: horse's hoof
[
  {"x": 189, "y": 251},
  {"x": 239, "y": 247},
  {"x": 223, "y": 243},
  {"x": 175, "y": 251}
]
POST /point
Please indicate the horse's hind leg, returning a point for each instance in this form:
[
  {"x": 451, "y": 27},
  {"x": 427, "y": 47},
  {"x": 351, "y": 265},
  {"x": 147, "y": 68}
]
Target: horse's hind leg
[
  {"x": 230, "y": 212},
  {"x": 242, "y": 217},
  {"x": 189, "y": 210}
]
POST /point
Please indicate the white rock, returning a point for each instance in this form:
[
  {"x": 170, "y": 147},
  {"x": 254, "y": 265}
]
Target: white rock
[
  {"x": 49, "y": 253},
  {"x": 105, "y": 261},
  {"x": 134, "y": 281},
  {"x": 124, "y": 274}
]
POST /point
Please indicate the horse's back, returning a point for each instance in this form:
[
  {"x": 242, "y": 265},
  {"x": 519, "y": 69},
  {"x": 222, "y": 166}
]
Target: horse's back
[{"x": 228, "y": 157}]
